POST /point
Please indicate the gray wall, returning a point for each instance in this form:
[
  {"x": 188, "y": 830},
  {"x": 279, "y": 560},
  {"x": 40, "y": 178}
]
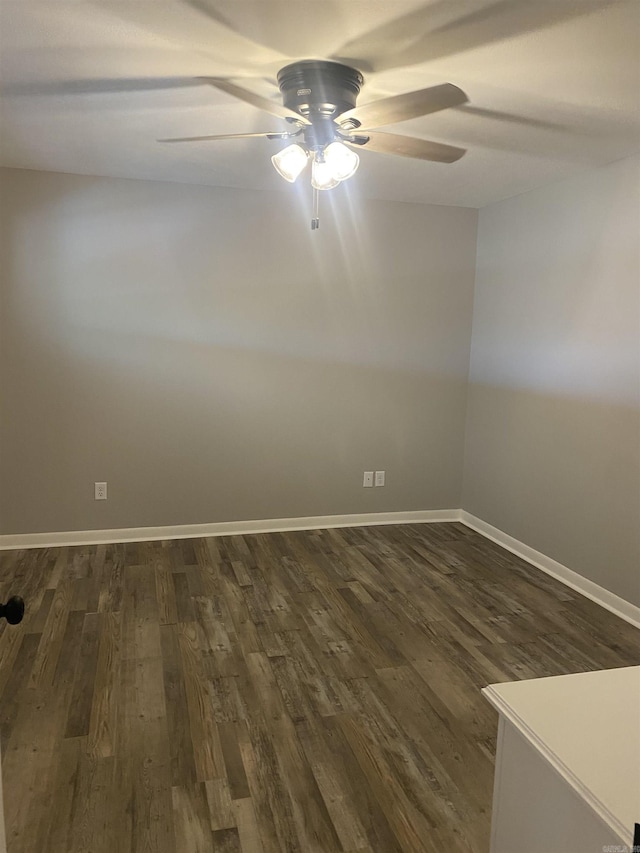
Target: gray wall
[
  {"x": 213, "y": 359},
  {"x": 553, "y": 430}
]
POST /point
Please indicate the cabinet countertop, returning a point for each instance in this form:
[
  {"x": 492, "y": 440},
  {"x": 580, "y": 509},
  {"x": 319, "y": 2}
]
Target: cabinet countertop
[{"x": 587, "y": 725}]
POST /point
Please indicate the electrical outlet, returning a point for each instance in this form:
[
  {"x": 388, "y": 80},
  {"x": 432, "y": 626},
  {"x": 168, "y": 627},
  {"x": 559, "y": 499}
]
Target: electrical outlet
[
  {"x": 100, "y": 491},
  {"x": 379, "y": 478},
  {"x": 367, "y": 482}
]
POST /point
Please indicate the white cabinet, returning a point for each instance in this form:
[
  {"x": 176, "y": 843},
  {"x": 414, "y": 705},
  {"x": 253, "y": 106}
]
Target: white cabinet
[{"x": 568, "y": 763}]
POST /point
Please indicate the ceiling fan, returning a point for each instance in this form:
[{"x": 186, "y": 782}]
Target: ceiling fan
[{"x": 319, "y": 103}]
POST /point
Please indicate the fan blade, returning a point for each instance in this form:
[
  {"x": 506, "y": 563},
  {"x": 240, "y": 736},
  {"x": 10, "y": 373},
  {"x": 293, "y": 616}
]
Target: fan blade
[
  {"x": 441, "y": 28},
  {"x": 408, "y": 146},
  {"x": 253, "y": 99},
  {"x": 284, "y": 135},
  {"x": 97, "y": 86},
  {"x": 406, "y": 106},
  {"x": 201, "y": 33},
  {"x": 510, "y": 118}
]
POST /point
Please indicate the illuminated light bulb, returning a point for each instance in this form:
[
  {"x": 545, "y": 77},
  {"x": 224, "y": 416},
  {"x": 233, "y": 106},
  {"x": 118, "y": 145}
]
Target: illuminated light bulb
[
  {"x": 322, "y": 177},
  {"x": 290, "y": 162},
  {"x": 341, "y": 160}
]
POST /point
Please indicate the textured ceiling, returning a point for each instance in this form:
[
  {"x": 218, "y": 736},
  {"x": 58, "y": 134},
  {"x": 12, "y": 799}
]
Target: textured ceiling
[{"x": 89, "y": 86}]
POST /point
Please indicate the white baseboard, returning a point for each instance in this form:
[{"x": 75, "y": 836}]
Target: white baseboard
[
  {"x": 223, "y": 528},
  {"x": 624, "y": 609},
  {"x": 609, "y": 600}
]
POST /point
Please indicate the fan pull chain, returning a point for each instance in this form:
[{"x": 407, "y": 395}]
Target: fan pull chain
[{"x": 315, "y": 222}]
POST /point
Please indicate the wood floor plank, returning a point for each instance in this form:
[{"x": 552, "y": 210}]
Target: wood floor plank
[
  {"x": 192, "y": 824},
  {"x": 141, "y": 792},
  {"x": 205, "y": 738},
  {"x": 153, "y": 828},
  {"x": 313, "y": 827},
  {"x": 166, "y": 594},
  {"x": 104, "y": 709},
  {"x": 82, "y": 699},
  {"x": 184, "y": 604},
  {"x": 10, "y": 643},
  {"x": 230, "y": 735},
  {"x": 90, "y": 822},
  {"x": 110, "y": 596},
  {"x": 248, "y": 830},
  {"x": 17, "y": 681},
  {"x": 220, "y": 804},
  {"x": 271, "y": 810},
  {"x": 61, "y": 819},
  {"x": 227, "y": 841},
  {"x": 337, "y": 787},
  {"x": 29, "y": 765},
  {"x": 306, "y": 692},
  {"x": 37, "y": 622},
  {"x": 46, "y": 660},
  {"x": 410, "y": 827},
  {"x": 183, "y": 768},
  {"x": 97, "y": 559}
]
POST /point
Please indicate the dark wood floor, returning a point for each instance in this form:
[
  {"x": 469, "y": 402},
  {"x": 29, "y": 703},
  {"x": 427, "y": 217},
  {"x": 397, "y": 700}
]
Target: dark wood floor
[{"x": 308, "y": 691}]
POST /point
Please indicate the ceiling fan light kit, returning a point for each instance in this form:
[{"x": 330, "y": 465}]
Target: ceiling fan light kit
[
  {"x": 342, "y": 161},
  {"x": 319, "y": 103},
  {"x": 322, "y": 178},
  {"x": 328, "y": 168},
  {"x": 290, "y": 162}
]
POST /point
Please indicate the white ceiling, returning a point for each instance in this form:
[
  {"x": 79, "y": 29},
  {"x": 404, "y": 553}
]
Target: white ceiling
[{"x": 89, "y": 86}]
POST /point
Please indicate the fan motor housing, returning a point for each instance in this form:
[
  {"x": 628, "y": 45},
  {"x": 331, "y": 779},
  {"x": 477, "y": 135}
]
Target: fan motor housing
[{"x": 319, "y": 88}]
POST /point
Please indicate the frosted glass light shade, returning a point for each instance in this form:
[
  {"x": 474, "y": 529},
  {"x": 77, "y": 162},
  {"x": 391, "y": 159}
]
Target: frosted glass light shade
[
  {"x": 322, "y": 177},
  {"x": 290, "y": 162},
  {"x": 342, "y": 161}
]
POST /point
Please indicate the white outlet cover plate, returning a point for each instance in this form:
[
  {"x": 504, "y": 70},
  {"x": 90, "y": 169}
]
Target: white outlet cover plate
[
  {"x": 379, "y": 478},
  {"x": 367, "y": 480}
]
